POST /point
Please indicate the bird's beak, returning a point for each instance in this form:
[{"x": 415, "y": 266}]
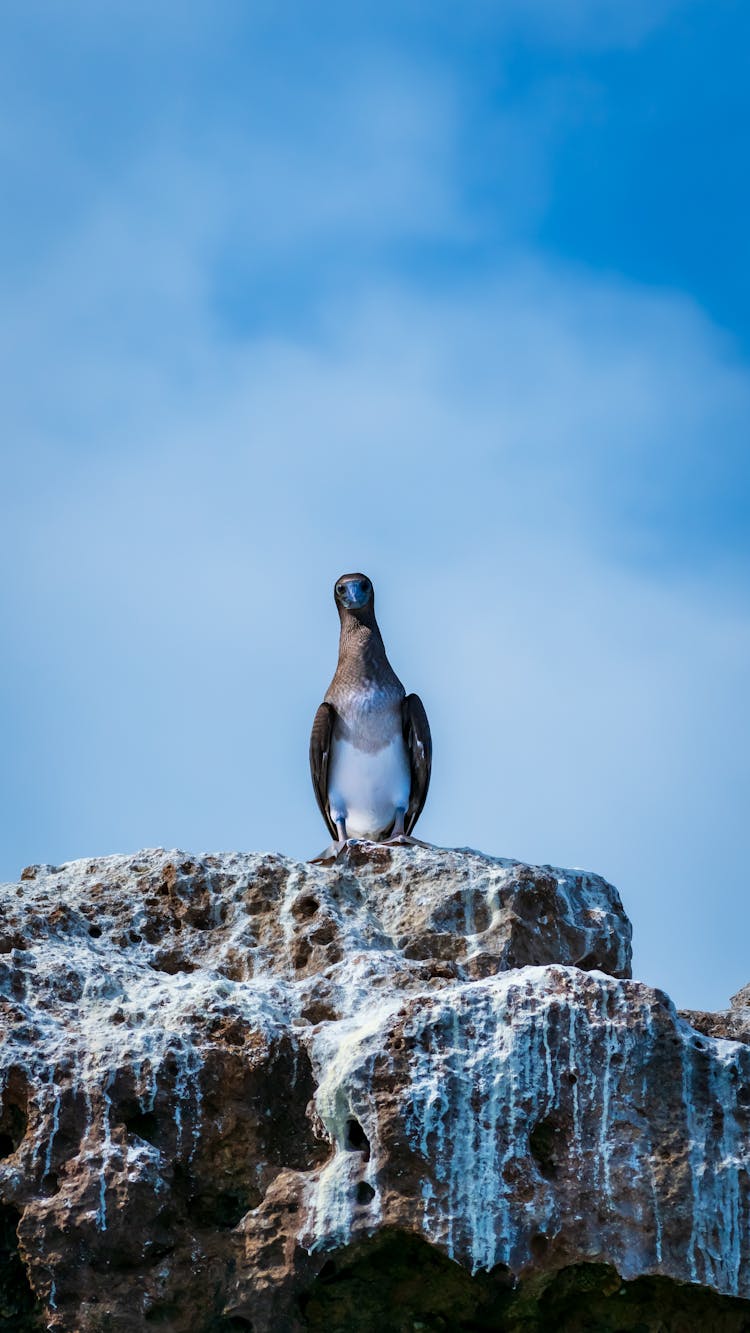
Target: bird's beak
[{"x": 354, "y": 595}]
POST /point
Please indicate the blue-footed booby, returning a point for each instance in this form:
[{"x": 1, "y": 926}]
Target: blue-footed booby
[{"x": 370, "y": 748}]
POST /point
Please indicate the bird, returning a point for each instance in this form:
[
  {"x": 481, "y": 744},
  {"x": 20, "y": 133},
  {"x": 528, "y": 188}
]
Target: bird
[{"x": 370, "y": 747}]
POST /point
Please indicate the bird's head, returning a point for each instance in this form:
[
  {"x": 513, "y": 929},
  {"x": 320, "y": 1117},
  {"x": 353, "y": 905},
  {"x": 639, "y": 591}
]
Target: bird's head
[{"x": 353, "y": 592}]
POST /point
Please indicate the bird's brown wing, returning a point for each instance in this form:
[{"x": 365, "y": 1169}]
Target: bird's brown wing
[
  {"x": 419, "y": 748},
  {"x": 320, "y": 753}
]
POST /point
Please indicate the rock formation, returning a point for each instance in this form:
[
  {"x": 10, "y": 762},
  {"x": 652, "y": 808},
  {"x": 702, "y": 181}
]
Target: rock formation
[{"x": 415, "y": 1089}]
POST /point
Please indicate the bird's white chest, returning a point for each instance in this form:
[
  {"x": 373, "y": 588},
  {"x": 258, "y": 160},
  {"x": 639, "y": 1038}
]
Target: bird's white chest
[{"x": 366, "y": 788}]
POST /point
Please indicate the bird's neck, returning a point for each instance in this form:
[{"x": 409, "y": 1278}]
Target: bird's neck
[
  {"x": 361, "y": 648},
  {"x": 363, "y": 665}
]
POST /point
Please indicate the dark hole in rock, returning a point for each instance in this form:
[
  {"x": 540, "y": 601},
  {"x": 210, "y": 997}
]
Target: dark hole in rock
[
  {"x": 364, "y": 1193},
  {"x": 231, "y": 1322},
  {"x": 398, "y": 1281},
  {"x": 319, "y": 1012},
  {"x": 305, "y": 907},
  {"x": 355, "y": 1139},
  {"x": 122, "y": 1262},
  {"x": 324, "y": 933},
  {"x": 743, "y": 1095},
  {"x": 95, "y": 932},
  {"x": 301, "y": 954},
  {"x": 589, "y": 963},
  {"x": 18, "y": 1309},
  {"x": 224, "y": 1209},
  {"x": 572, "y": 1078},
  {"x": 172, "y": 962},
  {"x": 10, "y": 942},
  {"x": 395, "y": 1282},
  {"x": 135, "y": 938},
  {"x": 539, "y": 1244},
  {"x": 144, "y": 1124},
  {"x": 162, "y": 1315},
  {"x": 50, "y": 1184},
  {"x": 544, "y": 1146},
  {"x": 13, "y": 1122}
]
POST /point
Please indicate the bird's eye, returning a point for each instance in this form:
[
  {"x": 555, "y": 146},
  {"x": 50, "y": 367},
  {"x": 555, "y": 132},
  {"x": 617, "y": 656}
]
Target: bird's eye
[{"x": 339, "y": 589}]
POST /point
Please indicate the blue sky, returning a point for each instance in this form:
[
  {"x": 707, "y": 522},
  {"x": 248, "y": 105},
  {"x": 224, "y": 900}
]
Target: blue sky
[{"x": 457, "y": 295}]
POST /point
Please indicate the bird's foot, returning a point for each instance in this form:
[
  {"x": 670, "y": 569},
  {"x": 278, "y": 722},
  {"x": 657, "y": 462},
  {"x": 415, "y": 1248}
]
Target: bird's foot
[
  {"x": 340, "y": 846},
  {"x": 328, "y": 855},
  {"x": 333, "y": 851}
]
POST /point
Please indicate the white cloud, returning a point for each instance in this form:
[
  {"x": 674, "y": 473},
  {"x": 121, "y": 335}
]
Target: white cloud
[
  {"x": 526, "y": 464},
  {"x": 457, "y": 447}
]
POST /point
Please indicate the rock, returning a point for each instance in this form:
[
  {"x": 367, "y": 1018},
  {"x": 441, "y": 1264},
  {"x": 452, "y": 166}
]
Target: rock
[
  {"x": 733, "y": 1023},
  {"x": 236, "y": 1088}
]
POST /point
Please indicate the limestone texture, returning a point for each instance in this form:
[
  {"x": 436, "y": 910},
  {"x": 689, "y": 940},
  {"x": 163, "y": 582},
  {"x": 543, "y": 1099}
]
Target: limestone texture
[{"x": 415, "y": 1089}]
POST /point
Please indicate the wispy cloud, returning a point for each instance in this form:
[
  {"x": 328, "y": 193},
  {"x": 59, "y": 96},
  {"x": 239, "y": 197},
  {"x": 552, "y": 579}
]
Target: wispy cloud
[{"x": 240, "y": 363}]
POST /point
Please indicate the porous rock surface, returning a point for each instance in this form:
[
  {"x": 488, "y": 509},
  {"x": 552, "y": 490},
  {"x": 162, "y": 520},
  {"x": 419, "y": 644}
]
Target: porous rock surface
[
  {"x": 232, "y": 1084},
  {"x": 733, "y": 1022}
]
